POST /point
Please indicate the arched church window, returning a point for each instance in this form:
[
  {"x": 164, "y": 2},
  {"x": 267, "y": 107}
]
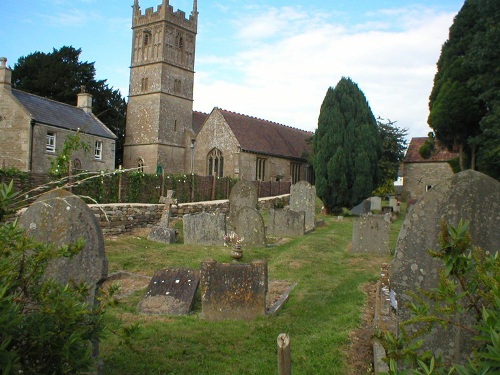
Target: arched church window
[
  {"x": 140, "y": 165},
  {"x": 147, "y": 38},
  {"x": 179, "y": 41},
  {"x": 215, "y": 162}
]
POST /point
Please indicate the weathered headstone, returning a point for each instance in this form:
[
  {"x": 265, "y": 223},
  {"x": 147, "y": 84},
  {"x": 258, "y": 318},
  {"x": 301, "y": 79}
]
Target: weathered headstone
[
  {"x": 243, "y": 194},
  {"x": 162, "y": 232},
  {"x": 61, "y": 218},
  {"x": 204, "y": 228},
  {"x": 376, "y": 204},
  {"x": 394, "y": 203},
  {"x": 362, "y": 209},
  {"x": 286, "y": 223},
  {"x": 233, "y": 291},
  {"x": 470, "y": 196},
  {"x": 370, "y": 234},
  {"x": 170, "y": 292},
  {"x": 249, "y": 225},
  {"x": 303, "y": 198}
]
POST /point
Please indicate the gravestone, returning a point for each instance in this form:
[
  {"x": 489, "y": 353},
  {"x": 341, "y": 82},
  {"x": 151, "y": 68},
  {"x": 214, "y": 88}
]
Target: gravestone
[
  {"x": 204, "y": 228},
  {"x": 370, "y": 234},
  {"x": 470, "y": 196},
  {"x": 171, "y": 291},
  {"x": 61, "y": 218},
  {"x": 286, "y": 223},
  {"x": 394, "y": 203},
  {"x": 162, "y": 232},
  {"x": 376, "y": 204},
  {"x": 362, "y": 209},
  {"x": 249, "y": 225},
  {"x": 233, "y": 291},
  {"x": 243, "y": 194},
  {"x": 303, "y": 198}
]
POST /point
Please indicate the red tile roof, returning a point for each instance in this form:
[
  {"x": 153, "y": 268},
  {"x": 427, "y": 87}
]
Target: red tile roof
[
  {"x": 267, "y": 137},
  {"x": 198, "y": 120},
  {"x": 413, "y": 155}
]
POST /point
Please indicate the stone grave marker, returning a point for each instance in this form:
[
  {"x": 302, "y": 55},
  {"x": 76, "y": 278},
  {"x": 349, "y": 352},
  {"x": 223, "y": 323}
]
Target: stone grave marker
[
  {"x": 204, "y": 228},
  {"x": 162, "y": 232},
  {"x": 303, "y": 198},
  {"x": 468, "y": 195},
  {"x": 370, "y": 234},
  {"x": 286, "y": 223},
  {"x": 249, "y": 225},
  {"x": 376, "y": 204},
  {"x": 362, "y": 209},
  {"x": 243, "y": 194},
  {"x": 171, "y": 291},
  {"x": 61, "y": 218},
  {"x": 233, "y": 291},
  {"x": 394, "y": 203}
]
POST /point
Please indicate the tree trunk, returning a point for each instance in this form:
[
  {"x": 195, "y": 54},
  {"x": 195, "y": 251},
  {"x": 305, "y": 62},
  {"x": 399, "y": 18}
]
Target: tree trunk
[
  {"x": 473, "y": 157},
  {"x": 461, "y": 156}
]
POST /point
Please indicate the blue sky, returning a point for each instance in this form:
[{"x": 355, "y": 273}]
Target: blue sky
[{"x": 271, "y": 59}]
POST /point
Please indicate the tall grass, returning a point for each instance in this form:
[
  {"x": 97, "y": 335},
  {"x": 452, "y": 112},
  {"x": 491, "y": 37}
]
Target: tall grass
[{"x": 322, "y": 310}]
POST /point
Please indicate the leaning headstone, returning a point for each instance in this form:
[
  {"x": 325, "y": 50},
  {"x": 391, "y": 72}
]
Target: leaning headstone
[
  {"x": 376, "y": 204},
  {"x": 470, "y": 196},
  {"x": 303, "y": 198},
  {"x": 204, "y": 228},
  {"x": 243, "y": 194},
  {"x": 249, "y": 225},
  {"x": 362, "y": 209},
  {"x": 233, "y": 291},
  {"x": 162, "y": 232},
  {"x": 370, "y": 234},
  {"x": 286, "y": 223},
  {"x": 170, "y": 292},
  {"x": 61, "y": 218}
]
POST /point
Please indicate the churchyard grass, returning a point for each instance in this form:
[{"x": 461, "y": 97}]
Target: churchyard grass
[{"x": 325, "y": 306}]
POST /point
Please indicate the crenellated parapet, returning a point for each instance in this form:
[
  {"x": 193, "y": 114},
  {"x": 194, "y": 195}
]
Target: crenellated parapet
[{"x": 165, "y": 12}]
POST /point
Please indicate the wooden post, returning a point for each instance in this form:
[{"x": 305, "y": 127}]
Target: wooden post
[
  {"x": 120, "y": 184},
  {"x": 284, "y": 357}
]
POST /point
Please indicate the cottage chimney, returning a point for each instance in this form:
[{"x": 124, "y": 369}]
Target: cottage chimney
[
  {"x": 5, "y": 74},
  {"x": 84, "y": 100}
]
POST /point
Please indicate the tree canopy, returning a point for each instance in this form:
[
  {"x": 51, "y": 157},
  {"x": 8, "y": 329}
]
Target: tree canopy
[
  {"x": 60, "y": 74},
  {"x": 465, "y": 100},
  {"x": 347, "y": 148}
]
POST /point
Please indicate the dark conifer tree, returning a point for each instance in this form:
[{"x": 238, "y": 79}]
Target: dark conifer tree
[{"x": 347, "y": 148}]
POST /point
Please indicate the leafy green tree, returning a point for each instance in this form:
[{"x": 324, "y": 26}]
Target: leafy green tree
[
  {"x": 347, "y": 148},
  {"x": 59, "y": 76},
  {"x": 394, "y": 144},
  {"x": 465, "y": 99},
  {"x": 60, "y": 166}
]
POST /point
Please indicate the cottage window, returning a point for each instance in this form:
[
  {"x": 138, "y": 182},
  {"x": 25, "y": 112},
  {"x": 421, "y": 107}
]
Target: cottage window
[
  {"x": 260, "y": 169},
  {"x": 98, "y": 150},
  {"x": 215, "y": 163},
  {"x": 51, "y": 142},
  {"x": 295, "y": 172}
]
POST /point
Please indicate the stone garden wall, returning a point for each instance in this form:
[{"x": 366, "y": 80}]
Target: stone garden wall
[{"x": 120, "y": 218}]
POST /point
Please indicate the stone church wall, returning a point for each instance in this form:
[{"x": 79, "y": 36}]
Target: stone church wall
[{"x": 420, "y": 177}]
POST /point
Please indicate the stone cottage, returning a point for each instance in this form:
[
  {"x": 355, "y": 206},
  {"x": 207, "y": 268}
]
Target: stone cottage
[
  {"x": 419, "y": 174},
  {"x": 33, "y": 130},
  {"x": 163, "y": 133}
]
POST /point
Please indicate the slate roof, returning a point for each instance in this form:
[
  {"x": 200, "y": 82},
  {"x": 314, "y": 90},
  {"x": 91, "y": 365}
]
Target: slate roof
[
  {"x": 267, "y": 137},
  {"x": 61, "y": 115},
  {"x": 413, "y": 156}
]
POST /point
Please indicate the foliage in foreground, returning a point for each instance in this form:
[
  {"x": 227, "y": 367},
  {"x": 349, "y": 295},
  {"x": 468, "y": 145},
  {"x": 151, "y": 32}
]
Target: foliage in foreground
[
  {"x": 469, "y": 282},
  {"x": 45, "y": 327}
]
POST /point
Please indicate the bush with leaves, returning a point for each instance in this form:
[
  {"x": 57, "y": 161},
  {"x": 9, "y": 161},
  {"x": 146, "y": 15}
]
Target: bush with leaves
[
  {"x": 469, "y": 282},
  {"x": 45, "y": 327}
]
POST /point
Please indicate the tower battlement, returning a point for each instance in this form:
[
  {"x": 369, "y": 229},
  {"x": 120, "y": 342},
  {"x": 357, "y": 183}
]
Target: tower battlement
[{"x": 165, "y": 12}]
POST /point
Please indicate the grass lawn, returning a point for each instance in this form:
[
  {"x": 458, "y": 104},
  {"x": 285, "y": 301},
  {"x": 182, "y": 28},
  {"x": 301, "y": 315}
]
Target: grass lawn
[{"x": 322, "y": 310}]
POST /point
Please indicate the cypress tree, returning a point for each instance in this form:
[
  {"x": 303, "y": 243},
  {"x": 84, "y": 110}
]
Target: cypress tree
[{"x": 347, "y": 148}]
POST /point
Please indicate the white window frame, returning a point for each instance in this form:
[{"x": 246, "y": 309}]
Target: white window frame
[
  {"x": 50, "y": 145},
  {"x": 98, "y": 150}
]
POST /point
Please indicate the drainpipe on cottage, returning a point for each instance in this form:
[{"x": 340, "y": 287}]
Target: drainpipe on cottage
[{"x": 32, "y": 131}]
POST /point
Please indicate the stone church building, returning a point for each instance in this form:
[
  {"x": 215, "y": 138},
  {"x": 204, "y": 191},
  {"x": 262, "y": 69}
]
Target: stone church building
[{"x": 163, "y": 133}]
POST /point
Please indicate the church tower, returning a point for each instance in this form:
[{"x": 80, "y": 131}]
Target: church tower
[{"x": 160, "y": 107}]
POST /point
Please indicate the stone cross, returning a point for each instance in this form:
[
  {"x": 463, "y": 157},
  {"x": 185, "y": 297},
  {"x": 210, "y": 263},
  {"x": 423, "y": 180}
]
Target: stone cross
[{"x": 168, "y": 201}]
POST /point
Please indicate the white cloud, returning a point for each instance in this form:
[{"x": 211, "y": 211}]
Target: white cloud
[{"x": 288, "y": 64}]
